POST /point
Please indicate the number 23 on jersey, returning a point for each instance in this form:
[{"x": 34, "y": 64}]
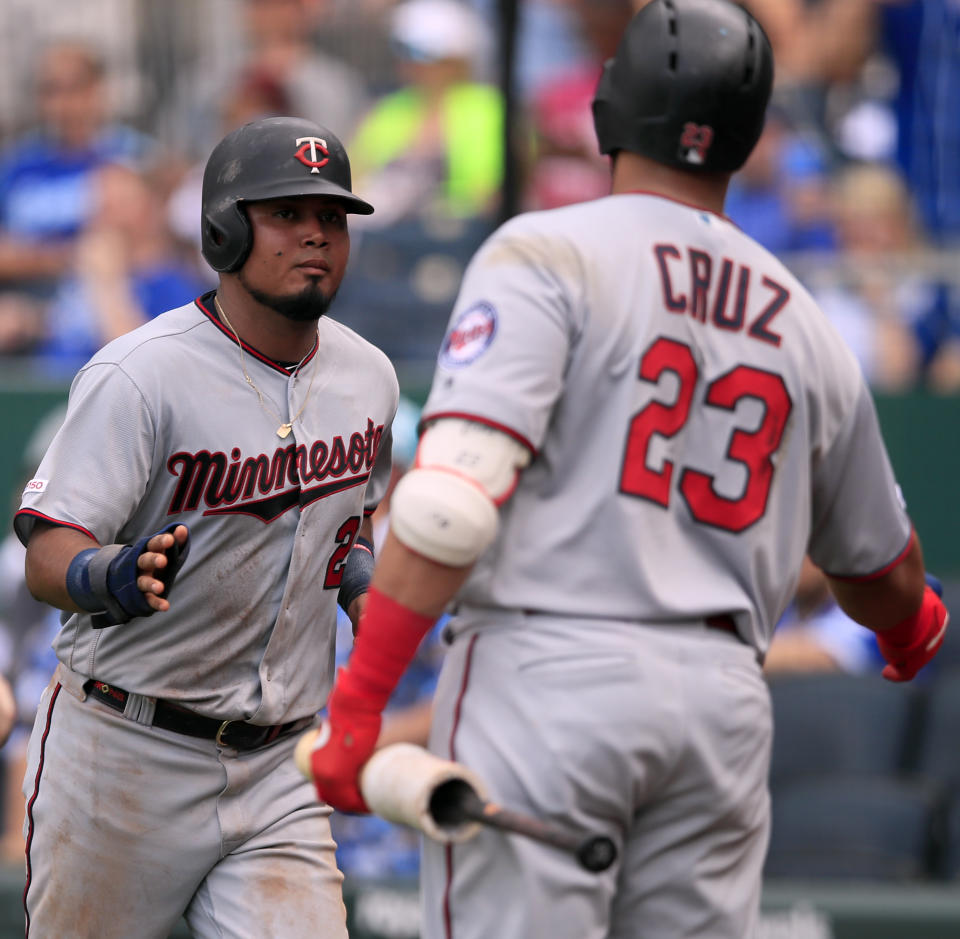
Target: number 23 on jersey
[{"x": 753, "y": 449}]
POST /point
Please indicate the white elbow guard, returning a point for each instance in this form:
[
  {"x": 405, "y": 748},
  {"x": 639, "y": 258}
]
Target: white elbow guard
[{"x": 445, "y": 508}]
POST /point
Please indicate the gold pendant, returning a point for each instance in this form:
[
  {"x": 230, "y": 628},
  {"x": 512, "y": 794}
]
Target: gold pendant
[{"x": 284, "y": 430}]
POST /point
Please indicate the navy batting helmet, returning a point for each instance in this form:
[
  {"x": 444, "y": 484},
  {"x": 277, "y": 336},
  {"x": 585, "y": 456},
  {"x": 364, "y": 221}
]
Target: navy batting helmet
[
  {"x": 266, "y": 159},
  {"x": 688, "y": 86}
]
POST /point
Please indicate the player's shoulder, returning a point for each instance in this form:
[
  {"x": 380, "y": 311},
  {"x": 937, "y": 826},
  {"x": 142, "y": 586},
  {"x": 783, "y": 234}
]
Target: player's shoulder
[
  {"x": 827, "y": 364},
  {"x": 156, "y": 338},
  {"x": 586, "y": 227},
  {"x": 556, "y": 220},
  {"x": 552, "y": 237}
]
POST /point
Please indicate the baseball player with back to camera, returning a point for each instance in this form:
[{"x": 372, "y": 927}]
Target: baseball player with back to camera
[
  {"x": 197, "y": 517},
  {"x": 639, "y": 424}
]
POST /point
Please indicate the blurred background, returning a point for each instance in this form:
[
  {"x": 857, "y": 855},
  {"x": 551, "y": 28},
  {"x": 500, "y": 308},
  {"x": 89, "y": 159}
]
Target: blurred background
[{"x": 458, "y": 114}]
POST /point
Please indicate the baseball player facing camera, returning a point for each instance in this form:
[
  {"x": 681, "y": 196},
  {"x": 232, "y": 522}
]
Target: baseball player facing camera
[
  {"x": 198, "y": 517},
  {"x": 639, "y": 424}
]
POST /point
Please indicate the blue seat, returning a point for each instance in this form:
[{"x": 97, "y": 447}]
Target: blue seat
[
  {"x": 854, "y": 828},
  {"x": 828, "y": 723}
]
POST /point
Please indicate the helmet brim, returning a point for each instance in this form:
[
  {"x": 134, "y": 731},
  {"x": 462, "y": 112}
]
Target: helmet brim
[{"x": 321, "y": 187}]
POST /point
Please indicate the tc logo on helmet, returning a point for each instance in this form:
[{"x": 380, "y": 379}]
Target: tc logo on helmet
[
  {"x": 316, "y": 146},
  {"x": 695, "y": 142}
]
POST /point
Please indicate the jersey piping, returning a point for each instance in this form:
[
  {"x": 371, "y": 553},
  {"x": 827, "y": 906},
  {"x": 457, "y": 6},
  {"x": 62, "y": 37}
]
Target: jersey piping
[
  {"x": 33, "y": 513},
  {"x": 880, "y": 571}
]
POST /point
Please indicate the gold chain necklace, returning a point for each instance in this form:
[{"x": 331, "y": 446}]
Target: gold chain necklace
[{"x": 285, "y": 426}]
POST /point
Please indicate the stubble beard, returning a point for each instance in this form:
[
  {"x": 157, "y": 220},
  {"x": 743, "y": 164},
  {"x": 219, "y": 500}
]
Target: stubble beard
[{"x": 306, "y": 306}]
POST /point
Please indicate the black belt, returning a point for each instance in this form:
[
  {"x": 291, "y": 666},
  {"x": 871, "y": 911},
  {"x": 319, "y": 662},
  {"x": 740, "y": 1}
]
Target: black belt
[
  {"x": 239, "y": 735},
  {"x": 722, "y": 621}
]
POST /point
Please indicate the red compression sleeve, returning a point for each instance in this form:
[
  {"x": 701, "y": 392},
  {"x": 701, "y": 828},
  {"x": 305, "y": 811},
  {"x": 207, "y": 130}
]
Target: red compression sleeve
[{"x": 387, "y": 640}]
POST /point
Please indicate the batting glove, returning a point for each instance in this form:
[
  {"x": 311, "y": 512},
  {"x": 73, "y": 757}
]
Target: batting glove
[
  {"x": 346, "y": 740},
  {"x": 913, "y": 642}
]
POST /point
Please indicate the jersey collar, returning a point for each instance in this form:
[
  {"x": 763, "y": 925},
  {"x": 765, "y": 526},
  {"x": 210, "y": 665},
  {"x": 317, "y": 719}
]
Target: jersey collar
[
  {"x": 205, "y": 303},
  {"x": 689, "y": 205}
]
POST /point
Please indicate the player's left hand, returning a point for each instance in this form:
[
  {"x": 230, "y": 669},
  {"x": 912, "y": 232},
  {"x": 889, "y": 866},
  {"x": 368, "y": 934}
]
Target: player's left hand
[
  {"x": 160, "y": 555},
  {"x": 912, "y": 643},
  {"x": 346, "y": 740}
]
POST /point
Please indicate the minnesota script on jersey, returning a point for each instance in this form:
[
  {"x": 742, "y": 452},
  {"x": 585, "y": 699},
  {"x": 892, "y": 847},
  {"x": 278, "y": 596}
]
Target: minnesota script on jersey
[
  {"x": 736, "y": 428},
  {"x": 181, "y": 438}
]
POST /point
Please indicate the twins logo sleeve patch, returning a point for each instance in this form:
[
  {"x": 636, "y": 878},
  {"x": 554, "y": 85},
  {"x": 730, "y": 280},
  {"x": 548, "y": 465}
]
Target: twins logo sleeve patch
[{"x": 470, "y": 336}]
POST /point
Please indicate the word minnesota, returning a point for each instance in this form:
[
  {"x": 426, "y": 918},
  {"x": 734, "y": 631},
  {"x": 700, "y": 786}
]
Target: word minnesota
[{"x": 219, "y": 480}]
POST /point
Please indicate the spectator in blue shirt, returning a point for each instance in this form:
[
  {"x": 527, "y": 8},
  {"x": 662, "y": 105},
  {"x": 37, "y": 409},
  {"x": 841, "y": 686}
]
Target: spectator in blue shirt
[
  {"x": 127, "y": 269},
  {"x": 833, "y": 39},
  {"x": 45, "y": 177},
  {"x": 780, "y": 196}
]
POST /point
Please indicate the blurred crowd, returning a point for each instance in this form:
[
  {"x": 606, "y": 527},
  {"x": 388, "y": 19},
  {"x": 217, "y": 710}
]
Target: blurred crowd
[
  {"x": 101, "y": 151},
  {"x": 854, "y": 184}
]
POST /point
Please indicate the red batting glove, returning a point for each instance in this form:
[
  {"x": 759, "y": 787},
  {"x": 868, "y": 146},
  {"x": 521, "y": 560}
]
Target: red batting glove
[
  {"x": 348, "y": 738},
  {"x": 913, "y": 642}
]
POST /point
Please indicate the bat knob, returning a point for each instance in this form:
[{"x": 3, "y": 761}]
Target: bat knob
[{"x": 597, "y": 854}]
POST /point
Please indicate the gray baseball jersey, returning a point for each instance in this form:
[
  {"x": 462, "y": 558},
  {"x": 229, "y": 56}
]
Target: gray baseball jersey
[
  {"x": 697, "y": 426},
  {"x": 161, "y": 427},
  {"x": 697, "y": 422}
]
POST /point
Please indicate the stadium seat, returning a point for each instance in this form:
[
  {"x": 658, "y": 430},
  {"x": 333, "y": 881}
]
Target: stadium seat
[
  {"x": 829, "y": 723},
  {"x": 951, "y": 852},
  {"x": 854, "y": 828},
  {"x": 938, "y": 753}
]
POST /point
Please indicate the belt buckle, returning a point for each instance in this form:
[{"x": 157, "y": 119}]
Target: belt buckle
[{"x": 218, "y": 739}]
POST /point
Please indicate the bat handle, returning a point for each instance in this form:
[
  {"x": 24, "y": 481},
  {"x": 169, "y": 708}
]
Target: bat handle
[{"x": 456, "y": 801}]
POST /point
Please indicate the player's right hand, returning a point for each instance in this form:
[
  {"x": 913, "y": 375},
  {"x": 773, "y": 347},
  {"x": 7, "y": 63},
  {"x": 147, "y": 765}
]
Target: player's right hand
[
  {"x": 912, "y": 643},
  {"x": 345, "y": 742}
]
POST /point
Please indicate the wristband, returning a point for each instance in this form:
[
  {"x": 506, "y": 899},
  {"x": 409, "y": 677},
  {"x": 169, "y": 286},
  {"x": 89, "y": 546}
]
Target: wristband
[
  {"x": 87, "y": 580},
  {"x": 357, "y": 572},
  {"x": 103, "y": 581}
]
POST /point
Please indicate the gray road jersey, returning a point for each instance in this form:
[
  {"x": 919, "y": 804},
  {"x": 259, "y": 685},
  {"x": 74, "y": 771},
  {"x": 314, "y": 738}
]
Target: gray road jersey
[
  {"x": 697, "y": 422},
  {"x": 161, "y": 427}
]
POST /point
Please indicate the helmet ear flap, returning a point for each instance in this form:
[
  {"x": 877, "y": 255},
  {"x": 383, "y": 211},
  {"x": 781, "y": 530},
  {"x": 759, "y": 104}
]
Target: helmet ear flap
[{"x": 226, "y": 238}]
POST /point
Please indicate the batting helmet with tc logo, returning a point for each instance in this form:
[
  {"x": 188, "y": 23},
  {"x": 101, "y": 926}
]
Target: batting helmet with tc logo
[{"x": 266, "y": 159}]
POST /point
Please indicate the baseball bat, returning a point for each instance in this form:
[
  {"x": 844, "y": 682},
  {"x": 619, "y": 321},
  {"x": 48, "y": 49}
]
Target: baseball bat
[
  {"x": 455, "y": 801},
  {"x": 446, "y": 801}
]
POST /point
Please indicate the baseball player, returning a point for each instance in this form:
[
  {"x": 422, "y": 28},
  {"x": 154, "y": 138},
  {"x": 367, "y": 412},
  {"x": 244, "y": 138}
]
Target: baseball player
[
  {"x": 639, "y": 424},
  {"x": 199, "y": 515}
]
